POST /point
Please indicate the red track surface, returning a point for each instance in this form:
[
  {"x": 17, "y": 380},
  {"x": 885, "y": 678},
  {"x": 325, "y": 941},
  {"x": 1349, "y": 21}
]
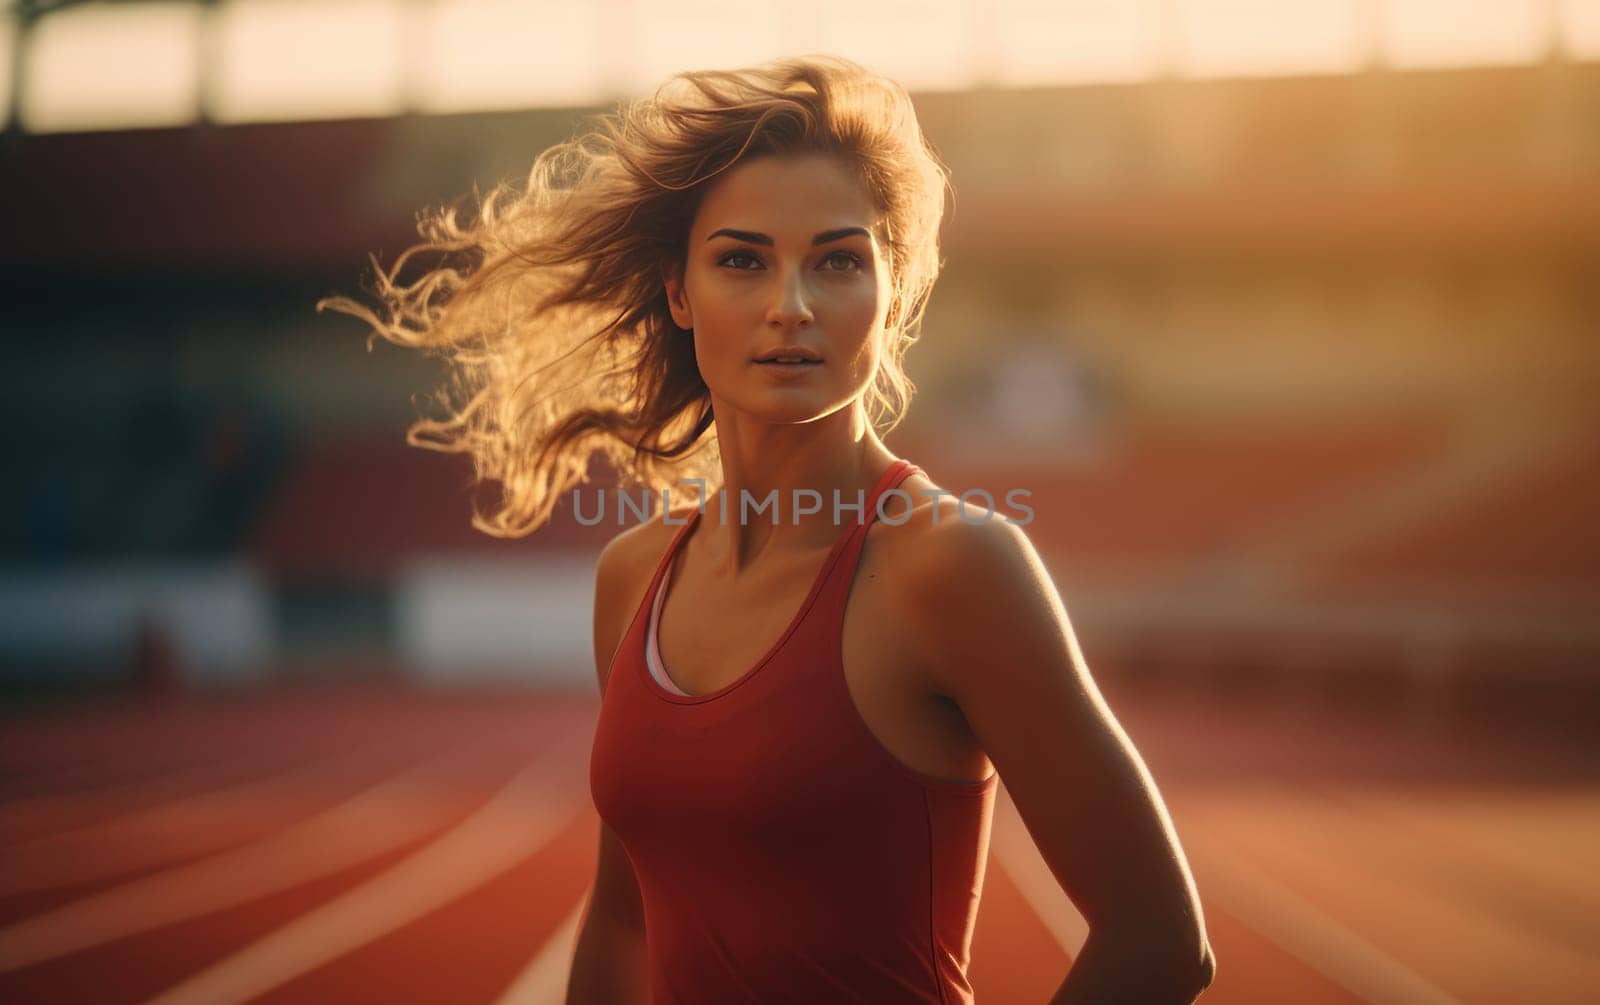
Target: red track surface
[{"x": 240, "y": 848}]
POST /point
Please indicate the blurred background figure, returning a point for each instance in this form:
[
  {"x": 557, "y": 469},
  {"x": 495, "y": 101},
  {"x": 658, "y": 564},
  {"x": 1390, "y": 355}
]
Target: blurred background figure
[
  {"x": 1046, "y": 395},
  {"x": 1285, "y": 313}
]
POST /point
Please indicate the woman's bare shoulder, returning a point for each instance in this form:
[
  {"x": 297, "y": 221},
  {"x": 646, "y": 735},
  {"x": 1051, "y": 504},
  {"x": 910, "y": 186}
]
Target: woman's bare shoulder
[
  {"x": 960, "y": 575},
  {"x": 937, "y": 536},
  {"x": 637, "y": 540},
  {"x": 635, "y": 550},
  {"x": 910, "y": 520}
]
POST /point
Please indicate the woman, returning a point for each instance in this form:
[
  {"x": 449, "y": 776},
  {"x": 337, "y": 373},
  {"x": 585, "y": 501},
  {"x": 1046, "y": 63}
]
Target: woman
[{"x": 805, "y": 710}]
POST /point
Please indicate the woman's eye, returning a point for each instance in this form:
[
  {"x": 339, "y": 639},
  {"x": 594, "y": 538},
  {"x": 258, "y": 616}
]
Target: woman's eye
[{"x": 838, "y": 261}]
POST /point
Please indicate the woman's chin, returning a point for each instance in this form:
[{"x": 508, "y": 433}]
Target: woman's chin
[{"x": 788, "y": 405}]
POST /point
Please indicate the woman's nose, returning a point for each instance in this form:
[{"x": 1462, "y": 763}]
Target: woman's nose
[{"x": 791, "y": 303}]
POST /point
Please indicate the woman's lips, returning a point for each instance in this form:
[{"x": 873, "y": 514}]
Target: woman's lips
[{"x": 788, "y": 371}]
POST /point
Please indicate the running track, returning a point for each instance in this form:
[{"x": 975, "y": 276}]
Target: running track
[{"x": 316, "y": 843}]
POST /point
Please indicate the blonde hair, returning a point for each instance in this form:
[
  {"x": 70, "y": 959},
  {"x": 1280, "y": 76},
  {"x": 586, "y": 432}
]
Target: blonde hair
[{"x": 550, "y": 302}]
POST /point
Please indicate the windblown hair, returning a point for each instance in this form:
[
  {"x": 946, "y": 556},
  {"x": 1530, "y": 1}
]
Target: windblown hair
[{"x": 550, "y": 304}]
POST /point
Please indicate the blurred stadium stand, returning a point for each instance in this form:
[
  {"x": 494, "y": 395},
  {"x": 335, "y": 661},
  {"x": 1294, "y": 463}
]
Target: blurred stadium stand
[{"x": 1322, "y": 392}]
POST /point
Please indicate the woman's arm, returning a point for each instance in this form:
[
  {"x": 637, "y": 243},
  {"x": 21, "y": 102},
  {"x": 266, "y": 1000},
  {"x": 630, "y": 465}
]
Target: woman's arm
[
  {"x": 1129, "y": 968},
  {"x": 991, "y": 632},
  {"x": 608, "y": 965}
]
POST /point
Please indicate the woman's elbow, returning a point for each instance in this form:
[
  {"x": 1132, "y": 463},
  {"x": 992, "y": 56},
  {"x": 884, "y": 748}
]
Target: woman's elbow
[
  {"x": 1208, "y": 966},
  {"x": 1191, "y": 962},
  {"x": 1184, "y": 965}
]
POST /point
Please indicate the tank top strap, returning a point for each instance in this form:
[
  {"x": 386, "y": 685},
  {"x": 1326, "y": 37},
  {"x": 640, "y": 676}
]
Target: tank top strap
[
  {"x": 662, "y": 565},
  {"x": 898, "y": 472},
  {"x": 843, "y": 568}
]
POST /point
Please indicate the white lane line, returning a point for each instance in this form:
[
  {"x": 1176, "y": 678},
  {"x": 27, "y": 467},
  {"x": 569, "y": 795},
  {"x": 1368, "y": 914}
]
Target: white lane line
[
  {"x": 184, "y": 827},
  {"x": 1543, "y": 841},
  {"x": 54, "y": 807},
  {"x": 1422, "y": 902},
  {"x": 544, "y": 980},
  {"x": 397, "y": 810},
  {"x": 1016, "y": 852},
  {"x": 524, "y": 815},
  {"x": 1304, "y": 930},
  {"x": 1274, "y": 912}
]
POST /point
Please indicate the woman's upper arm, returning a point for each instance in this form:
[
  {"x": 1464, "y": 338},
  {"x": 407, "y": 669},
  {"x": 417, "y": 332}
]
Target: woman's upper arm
[
  {"x": 994, "y": 636},
  {"x": 620, "y": 578},
  {"x": 616, "y": 889},
  {"x": 609, "y": 579}
]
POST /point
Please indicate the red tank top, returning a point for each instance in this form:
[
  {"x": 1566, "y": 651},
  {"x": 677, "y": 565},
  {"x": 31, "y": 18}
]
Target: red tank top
[{"x": 783, "y": 854}]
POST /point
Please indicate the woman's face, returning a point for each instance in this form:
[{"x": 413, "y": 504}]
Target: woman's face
[{"x": 784, "y": 253}]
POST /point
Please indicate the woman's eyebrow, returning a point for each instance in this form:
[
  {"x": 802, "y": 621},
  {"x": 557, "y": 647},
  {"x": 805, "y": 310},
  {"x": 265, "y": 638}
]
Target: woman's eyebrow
[{"x": 765, "y": 240}]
